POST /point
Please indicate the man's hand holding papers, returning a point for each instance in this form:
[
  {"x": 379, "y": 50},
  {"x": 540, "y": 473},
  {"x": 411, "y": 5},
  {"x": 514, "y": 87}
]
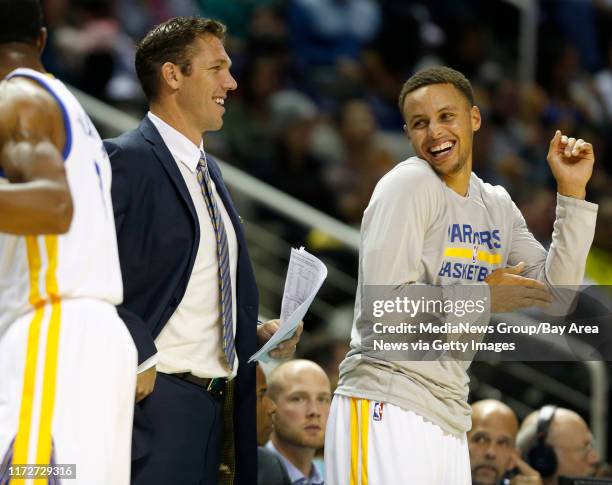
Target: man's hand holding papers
[{"x": 305, "y": 276}]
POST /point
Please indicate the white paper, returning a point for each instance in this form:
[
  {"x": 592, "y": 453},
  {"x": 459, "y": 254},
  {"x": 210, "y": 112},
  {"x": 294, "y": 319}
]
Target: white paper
[{"x": 305, "y": 275}]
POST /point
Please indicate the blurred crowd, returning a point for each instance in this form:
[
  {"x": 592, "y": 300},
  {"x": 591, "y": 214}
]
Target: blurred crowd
[
  {"x": 316, "y": 114},
  {"x": 316, "y": 110}
]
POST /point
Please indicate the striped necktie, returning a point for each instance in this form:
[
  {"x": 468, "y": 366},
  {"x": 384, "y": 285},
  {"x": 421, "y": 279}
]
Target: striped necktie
[{"x": 225, "y": 284}]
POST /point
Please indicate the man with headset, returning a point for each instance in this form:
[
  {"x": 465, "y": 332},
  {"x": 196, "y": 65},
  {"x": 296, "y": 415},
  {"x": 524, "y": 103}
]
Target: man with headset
[{"x": 557, "y": 442}]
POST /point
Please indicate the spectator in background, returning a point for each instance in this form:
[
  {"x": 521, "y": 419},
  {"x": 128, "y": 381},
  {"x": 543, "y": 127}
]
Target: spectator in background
[
  {"x": 298, "y": 171},
  {"x": 557, "y": 442},
  {"x": 301, "y": 391},
  {"x": 85, "y": 45},
  {"x": 603, "y": 83},
  {"x": 599, "y": 260},
  {"x": 537, "y": 204},
  {"x": 491, "y": 443},
  {"x": 265, "y": 407},
  {"x": 577, "y": 19},
  {"x": 385, "y": 71},
  {"x": 248, "y": 131},
  {"x": 271, "y": 470},
  {"x": 327, "y": 38},
  {"x": 505, "y": 152},
  {"x": 236, "y": 15},
  {"x": 92, "y": 50},
  {"x": 138, "y": 16},
  {"x": 571, "y": 101},
  {"x": 363, "y": 160}
]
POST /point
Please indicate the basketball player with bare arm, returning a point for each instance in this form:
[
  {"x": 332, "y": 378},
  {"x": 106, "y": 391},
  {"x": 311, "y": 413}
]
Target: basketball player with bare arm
[{"x": 67, "y": 362}]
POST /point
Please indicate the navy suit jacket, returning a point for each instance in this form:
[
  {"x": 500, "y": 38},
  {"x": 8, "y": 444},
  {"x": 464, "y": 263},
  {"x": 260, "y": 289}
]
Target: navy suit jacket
[{"x": 158, "y": 236}]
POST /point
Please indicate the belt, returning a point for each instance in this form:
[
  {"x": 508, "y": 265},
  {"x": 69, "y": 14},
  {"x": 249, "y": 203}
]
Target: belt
[{"x": 215, "y": 386}]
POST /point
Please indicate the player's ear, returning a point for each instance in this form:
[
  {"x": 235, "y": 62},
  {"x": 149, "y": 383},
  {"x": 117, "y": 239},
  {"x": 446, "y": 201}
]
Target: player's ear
[
  {"x": 42, "y": 39},
  {"x": 475, "y": 118},
  {"x": 405, "y": 128}
]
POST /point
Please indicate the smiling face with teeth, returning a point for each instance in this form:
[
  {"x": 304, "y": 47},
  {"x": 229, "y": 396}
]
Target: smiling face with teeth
[
  {"x": 194, "y": 98},
  {"x": 204, "y": 91},
  {"x": 440, "y": 124}
]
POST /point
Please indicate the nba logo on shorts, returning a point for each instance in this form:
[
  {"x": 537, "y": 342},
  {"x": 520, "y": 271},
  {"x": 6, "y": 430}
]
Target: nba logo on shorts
[
  {"x": 378, "y": 411},
  {"x": 475, "y": 253}
]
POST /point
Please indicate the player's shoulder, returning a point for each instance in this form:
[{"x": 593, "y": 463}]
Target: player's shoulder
[
  {"x": 26, "y": 105},
  {"x": 21, "y": 96},
  {"x": 488, "y": 192},
  {"x": 412, "y": 175}
]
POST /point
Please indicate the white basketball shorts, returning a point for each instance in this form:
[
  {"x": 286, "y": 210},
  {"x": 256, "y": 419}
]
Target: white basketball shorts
[
  {"x": 376, "y": 443},
  {"x": 67, "y": 383}
]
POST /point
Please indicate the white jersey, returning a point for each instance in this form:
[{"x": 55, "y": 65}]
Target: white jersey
[{"x": 84, "y": 262}]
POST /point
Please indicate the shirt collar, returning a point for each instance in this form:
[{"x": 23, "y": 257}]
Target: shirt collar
[
  {"x": 295, "y": 475},
  {"x": 181, "y": 147}
]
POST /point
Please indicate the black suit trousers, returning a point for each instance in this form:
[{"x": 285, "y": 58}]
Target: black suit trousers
[{"x": 188, "y": 417}]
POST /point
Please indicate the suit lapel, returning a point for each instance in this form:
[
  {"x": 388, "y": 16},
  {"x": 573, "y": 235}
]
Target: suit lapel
[{"x": 163, "y": 155}]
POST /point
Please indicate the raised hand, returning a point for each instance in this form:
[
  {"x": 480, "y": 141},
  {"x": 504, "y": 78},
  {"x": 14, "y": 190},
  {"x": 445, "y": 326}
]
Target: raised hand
[{"x": 571, "y": 161}]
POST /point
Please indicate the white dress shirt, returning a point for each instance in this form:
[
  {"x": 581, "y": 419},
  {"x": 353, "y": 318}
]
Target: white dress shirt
[{"x": 192, "y": 340}]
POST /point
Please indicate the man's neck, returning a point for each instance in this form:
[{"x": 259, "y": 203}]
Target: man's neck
[
  {"x": 16, "y": 55},
  {"x": 175, "y": 117},
  {"x": 460, "y": 181},
  {"x": 300, "y": 456}
]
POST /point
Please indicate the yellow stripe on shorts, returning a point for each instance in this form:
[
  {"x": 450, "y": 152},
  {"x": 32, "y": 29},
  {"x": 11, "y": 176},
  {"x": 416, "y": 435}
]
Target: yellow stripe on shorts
[
  {"x": 51, "y": 277},
  {"x": 359, "y": 417},
  {"x": 22, "y": 439},
  {"x": 20, "y": 455},
  {"x": 34, "y": 264},
  {"x": 354, "y": 441},
  {"x": 365, "y": 422},
  {"x": 43, "y": 453},
  {"x": 43, "y": 445}
]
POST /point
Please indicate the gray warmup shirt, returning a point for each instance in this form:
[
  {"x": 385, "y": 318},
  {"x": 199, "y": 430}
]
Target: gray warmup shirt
[{"x": 416, "y": 229}]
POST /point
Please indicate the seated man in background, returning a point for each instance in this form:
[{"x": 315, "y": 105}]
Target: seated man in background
[
  {"x": 491, "y": 442},
  {"x": 557, "y": 442},
  {"x": 302, "y": 394},
  {"x": 270, "y": 469}
]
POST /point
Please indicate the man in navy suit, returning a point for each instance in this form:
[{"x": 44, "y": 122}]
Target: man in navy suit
[{"x": 190, "y": 298}]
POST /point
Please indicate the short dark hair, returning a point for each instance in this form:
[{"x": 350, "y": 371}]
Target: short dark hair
[
  {"x": 171, "y": 42},
  {"x": 20, "y": 21},
  {"x": 437, "y": 75}
]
